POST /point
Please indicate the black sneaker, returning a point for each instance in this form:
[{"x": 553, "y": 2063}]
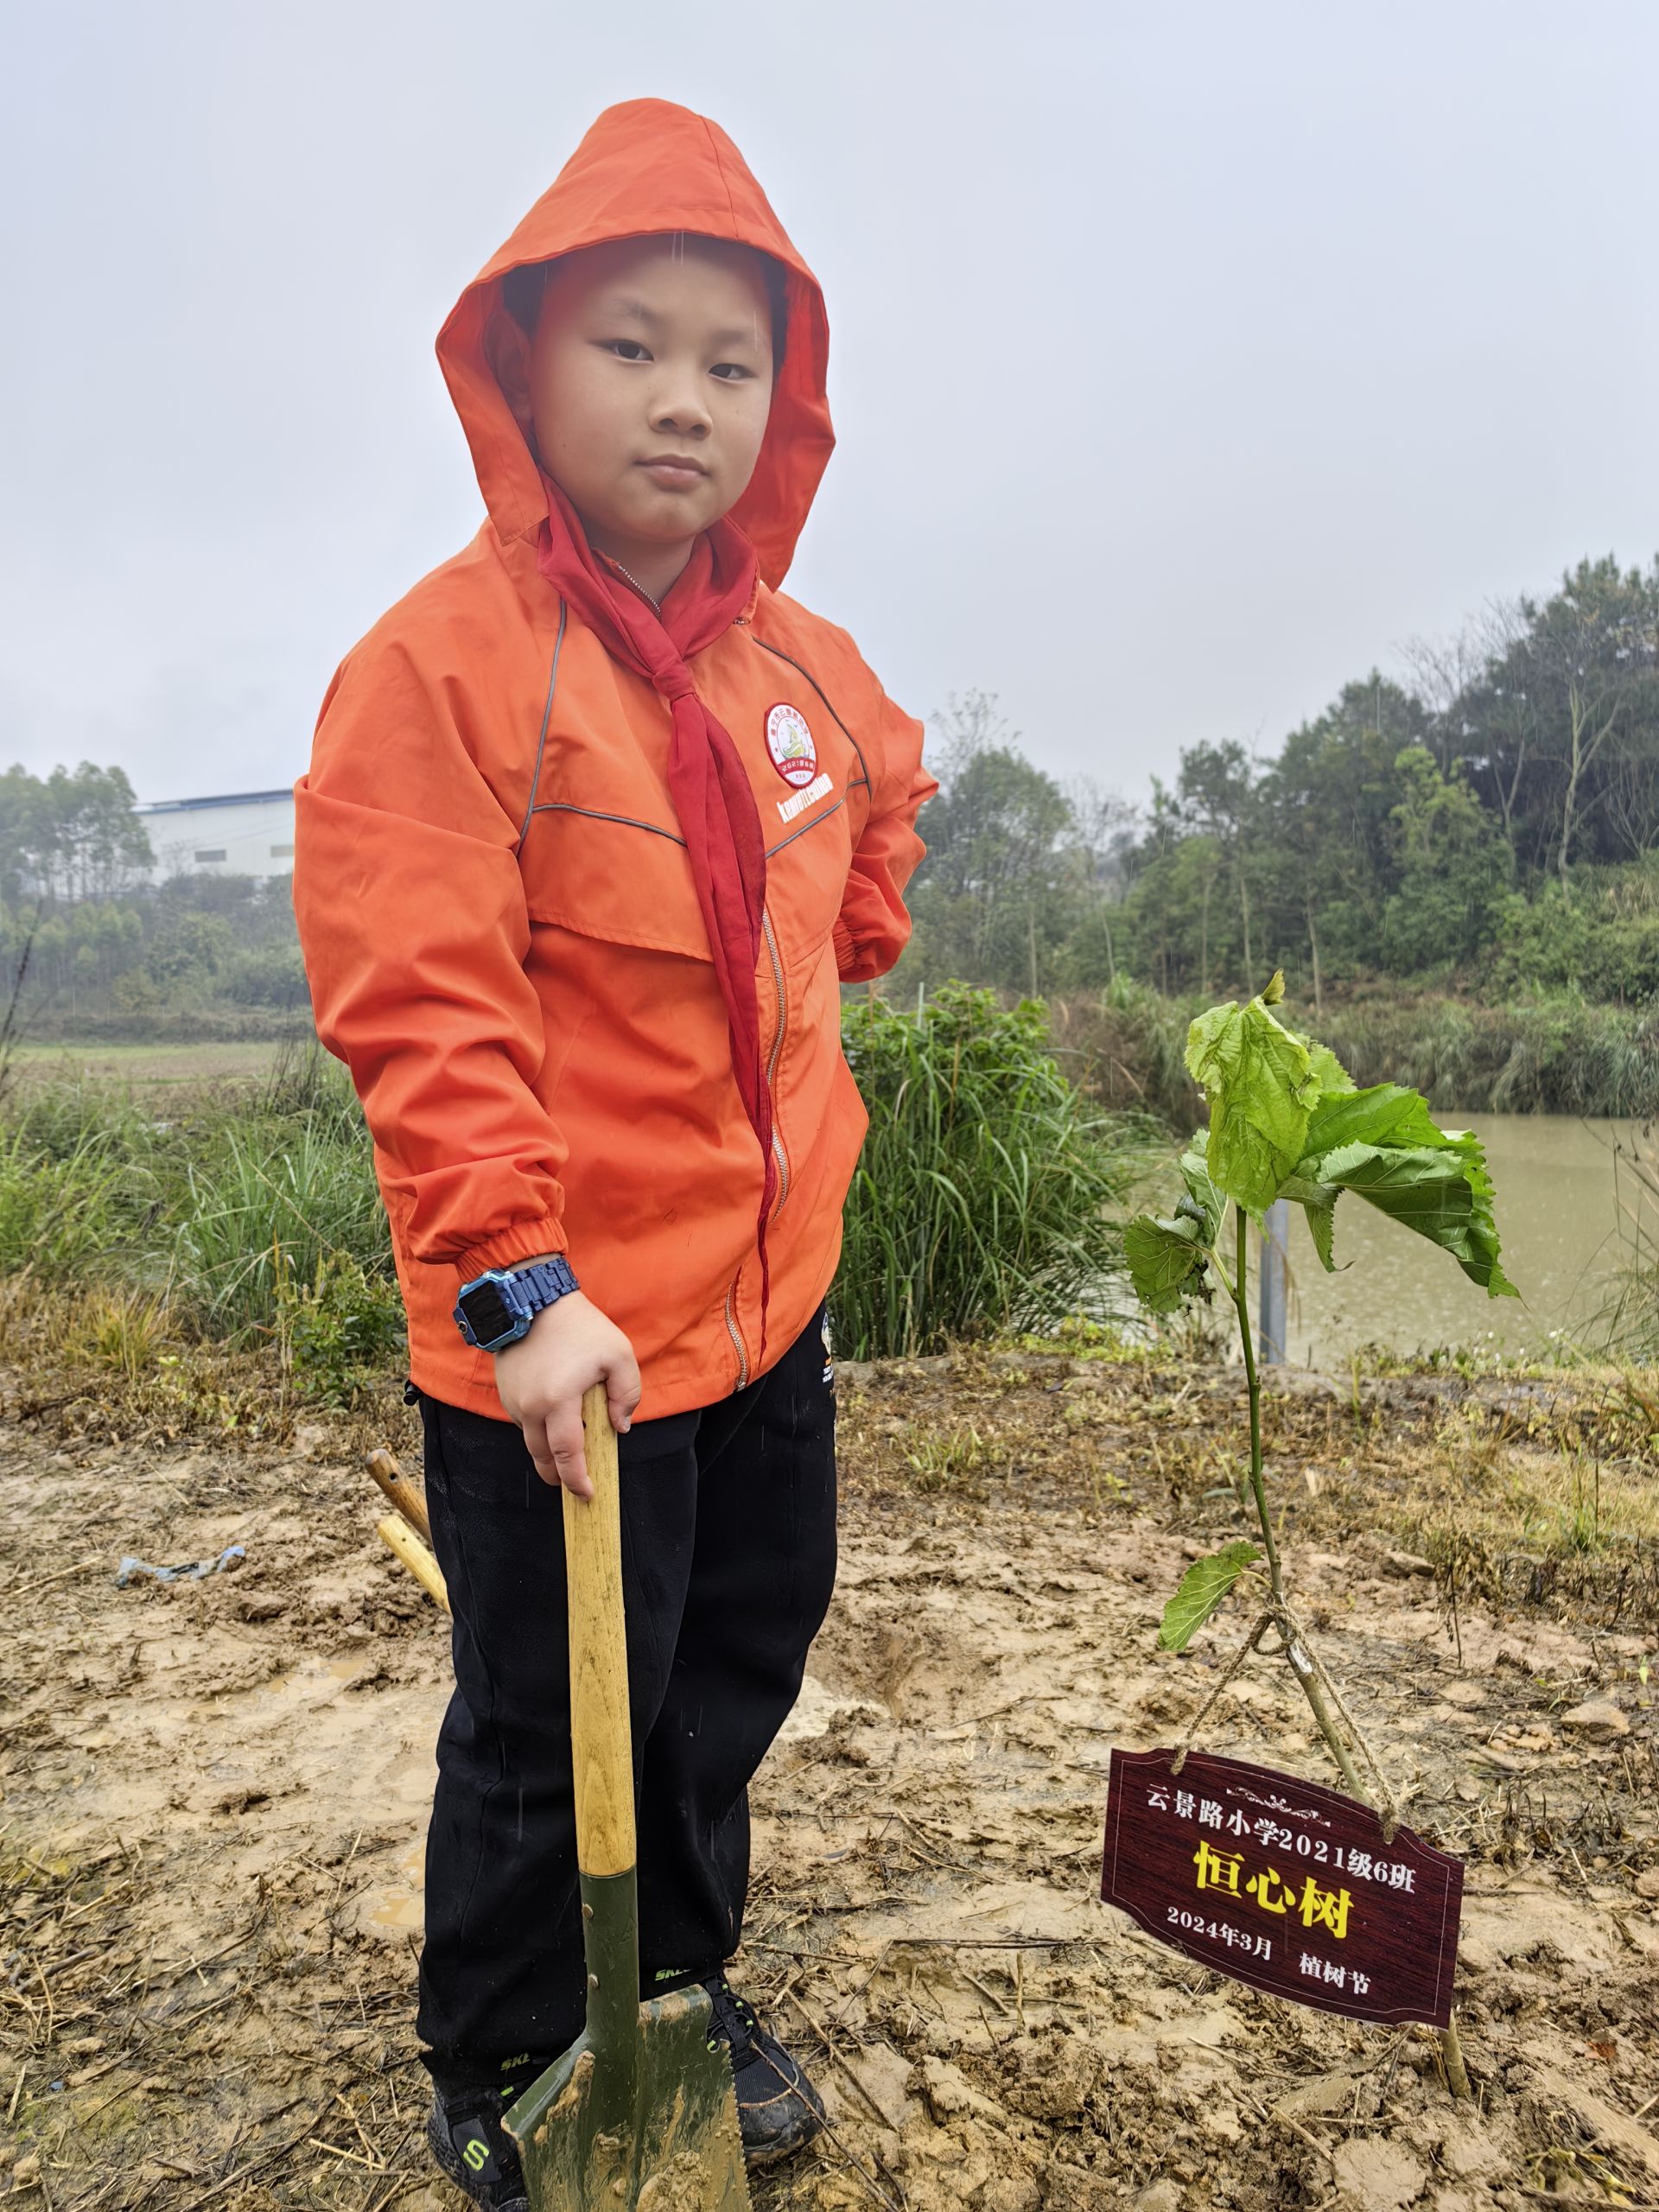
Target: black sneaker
[
  {"x": 470, "y": 2144},
  {"x": 779, "y": 2111}
]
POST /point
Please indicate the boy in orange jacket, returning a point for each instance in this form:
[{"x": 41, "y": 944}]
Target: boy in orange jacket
[{"x": 596, "y": 825}]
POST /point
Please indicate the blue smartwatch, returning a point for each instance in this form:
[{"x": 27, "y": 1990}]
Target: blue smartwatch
[{"x": 496, "y": 1307}]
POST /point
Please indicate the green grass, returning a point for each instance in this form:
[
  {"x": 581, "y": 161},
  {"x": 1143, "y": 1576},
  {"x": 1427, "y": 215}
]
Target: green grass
[
  {"x": 241, "y": 1209},
  {"x": 273, "y": 1208},
  {"x": 1131, "y": 1042},
  {"x": 61, "y": 1212},
  {"x": 1630, "y": 1321},
  {"x": 990, "y": 1190},
  {"x": 1557, "y": 1055},
  {"x": 150, "y": 1061},
  {"x": 244, "y": 1210},
  {"x": 234, "y": 1212},
  {"x": 1550, "y": 1054}
]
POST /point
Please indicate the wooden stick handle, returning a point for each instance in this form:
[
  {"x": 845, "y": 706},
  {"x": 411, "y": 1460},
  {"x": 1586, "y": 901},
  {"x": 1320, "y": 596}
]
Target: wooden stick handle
[
  {"x": 400, "y": 1491},
  {"x": 601, "y": 1743},
  {"x": 407, "y": 1545}
]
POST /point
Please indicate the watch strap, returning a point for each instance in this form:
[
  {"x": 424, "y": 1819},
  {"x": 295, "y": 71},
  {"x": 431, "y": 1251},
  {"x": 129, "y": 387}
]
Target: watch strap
[{"x": 547, "y": 1280}]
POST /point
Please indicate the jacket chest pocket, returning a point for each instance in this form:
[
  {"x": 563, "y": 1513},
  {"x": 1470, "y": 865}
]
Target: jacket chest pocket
[
  {"x": 625, "y": 881},
  {"x": 603, "y": 853},
  {"x": 609, "y": 867}
]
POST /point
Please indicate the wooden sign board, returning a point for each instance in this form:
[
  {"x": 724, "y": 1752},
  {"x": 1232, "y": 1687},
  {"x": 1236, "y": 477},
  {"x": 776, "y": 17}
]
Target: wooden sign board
[{"x": 1283, "y": 1884}]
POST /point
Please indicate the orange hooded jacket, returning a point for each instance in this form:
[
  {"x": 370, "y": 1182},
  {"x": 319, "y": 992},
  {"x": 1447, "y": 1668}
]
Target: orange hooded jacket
[{"x": 499, "y": 924}]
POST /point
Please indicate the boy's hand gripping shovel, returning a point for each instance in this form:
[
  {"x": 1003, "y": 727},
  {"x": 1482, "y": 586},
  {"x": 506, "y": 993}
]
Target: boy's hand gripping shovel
[{"x": 640, "y": 2115}]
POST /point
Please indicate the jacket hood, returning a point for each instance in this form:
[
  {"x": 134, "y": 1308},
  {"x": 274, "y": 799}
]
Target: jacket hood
[{"x": 645, "y": 167}]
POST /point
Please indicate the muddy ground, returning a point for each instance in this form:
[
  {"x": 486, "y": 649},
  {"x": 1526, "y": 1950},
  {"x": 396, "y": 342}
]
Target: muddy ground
[{"x": 214, "y": 1796}]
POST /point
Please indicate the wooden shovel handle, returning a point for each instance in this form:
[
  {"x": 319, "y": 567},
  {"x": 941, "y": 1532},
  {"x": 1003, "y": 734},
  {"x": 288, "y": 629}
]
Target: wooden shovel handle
[
  {"x": 396, "y": 1487},
  {"x": 601, "y": 1738},
  {"x": 402, "y": 1542}
]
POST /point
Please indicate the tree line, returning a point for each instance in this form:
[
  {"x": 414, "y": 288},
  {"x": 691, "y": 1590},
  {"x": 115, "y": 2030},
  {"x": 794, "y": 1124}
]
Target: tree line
[
  {"x": 69, "y": 836},
  {"x": 1488, "y": 821},
  {"x": 83, "y": 933},
  {"x": 1485, "y": 822}
]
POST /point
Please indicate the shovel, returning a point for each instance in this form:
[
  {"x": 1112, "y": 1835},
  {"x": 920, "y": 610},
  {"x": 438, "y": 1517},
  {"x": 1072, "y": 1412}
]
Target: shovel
[{"x": 640, "y": 2114}]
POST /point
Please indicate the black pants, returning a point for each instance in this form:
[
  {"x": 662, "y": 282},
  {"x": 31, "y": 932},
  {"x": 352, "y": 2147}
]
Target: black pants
[{"x": 728, "y": 1560}]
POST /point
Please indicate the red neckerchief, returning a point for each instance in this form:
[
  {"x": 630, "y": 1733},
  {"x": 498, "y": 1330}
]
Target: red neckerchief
[{"x": 707, "y": 780}]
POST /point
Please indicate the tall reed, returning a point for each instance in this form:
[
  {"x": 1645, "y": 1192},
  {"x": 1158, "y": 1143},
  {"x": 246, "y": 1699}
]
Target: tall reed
[
  {"x": 1632, "y": 1319},
  {"x": 990, "y": 1191},
  {"x": 274, "y": 1207},
  {"x": 1548, "y": 1055}
]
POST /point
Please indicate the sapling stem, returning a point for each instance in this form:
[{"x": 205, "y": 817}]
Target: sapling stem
[
  {"x": 1239, "y": 1290},
  {"x": 1241, "y": 1295},
  {"x": 1315, "y": 1696}
]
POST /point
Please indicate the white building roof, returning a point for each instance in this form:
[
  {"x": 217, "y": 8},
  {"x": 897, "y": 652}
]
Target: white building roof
[
  {"x": 227, "y": 799},
  {"x": 230, "y": 833}
]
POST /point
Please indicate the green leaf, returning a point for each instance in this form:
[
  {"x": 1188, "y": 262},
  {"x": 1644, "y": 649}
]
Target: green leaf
[
  {"x": 1261, "y": 1085},
  {"x": 1167, "y": 1260},
  {"x": 1203, "y": 1585},
  {"x": 1318, "y": 1204},
  {"x": 1383, "y": 1144},
  {"x": 1385, "y": 1114},
  {"x": 1443, "y": 1194},
  {"x": 1333, "y": 1076},
  {"x": 1203, "y": 1194}
]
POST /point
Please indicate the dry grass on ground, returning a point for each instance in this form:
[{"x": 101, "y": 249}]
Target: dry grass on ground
[
  {"x": 190, "y": 1067},
  {"x": 214, "y": 1793}
]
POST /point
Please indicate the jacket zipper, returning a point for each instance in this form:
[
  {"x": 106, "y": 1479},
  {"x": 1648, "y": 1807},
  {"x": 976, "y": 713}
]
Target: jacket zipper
[
  {"x": 778, "y": 1153},
  {"x": 735, "y": 1334}
]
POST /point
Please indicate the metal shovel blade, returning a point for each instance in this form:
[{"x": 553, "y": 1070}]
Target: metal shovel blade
[{"x": 652, "y": 2130}]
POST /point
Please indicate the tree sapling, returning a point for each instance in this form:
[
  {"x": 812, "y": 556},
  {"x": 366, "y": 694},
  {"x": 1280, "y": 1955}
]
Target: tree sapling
[{"x": 1286, "y": 1121}]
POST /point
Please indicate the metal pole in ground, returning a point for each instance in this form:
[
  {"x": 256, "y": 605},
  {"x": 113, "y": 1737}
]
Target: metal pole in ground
[{"x": 1276, "y": 1279}]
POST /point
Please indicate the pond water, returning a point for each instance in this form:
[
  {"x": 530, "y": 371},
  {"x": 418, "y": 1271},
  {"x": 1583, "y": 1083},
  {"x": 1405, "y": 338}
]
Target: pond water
[{"x": 1558, "y": 1214}]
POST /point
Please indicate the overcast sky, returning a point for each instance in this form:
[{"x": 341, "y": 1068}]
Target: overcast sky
[{"x": 1187, "y": 359}]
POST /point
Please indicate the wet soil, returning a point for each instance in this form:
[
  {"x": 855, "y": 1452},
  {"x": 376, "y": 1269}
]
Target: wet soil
[{"x": 214, "y": 1794}]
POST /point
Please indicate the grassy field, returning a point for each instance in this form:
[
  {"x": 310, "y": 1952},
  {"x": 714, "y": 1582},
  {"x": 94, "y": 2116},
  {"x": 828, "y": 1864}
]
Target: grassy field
[
  {"x": 188, "y": 1066},
  {"x": 225, "y": 1195},
  {"x": 159, "y": 1209}
]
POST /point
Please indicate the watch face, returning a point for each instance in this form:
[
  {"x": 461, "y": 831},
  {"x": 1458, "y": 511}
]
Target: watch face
[{"x": 488, "y": 1315}]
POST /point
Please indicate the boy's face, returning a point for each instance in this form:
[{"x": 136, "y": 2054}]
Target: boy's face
[{"x": 648, "y": 383}]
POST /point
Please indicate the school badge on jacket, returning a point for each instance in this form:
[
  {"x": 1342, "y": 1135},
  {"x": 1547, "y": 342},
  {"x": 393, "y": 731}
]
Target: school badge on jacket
[{"x": 789, "y": 742}]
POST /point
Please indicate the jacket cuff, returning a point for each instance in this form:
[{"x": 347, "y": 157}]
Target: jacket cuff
[
  {"x": 509, "y": 1247},
  {"x": 846, "y": 952}
]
